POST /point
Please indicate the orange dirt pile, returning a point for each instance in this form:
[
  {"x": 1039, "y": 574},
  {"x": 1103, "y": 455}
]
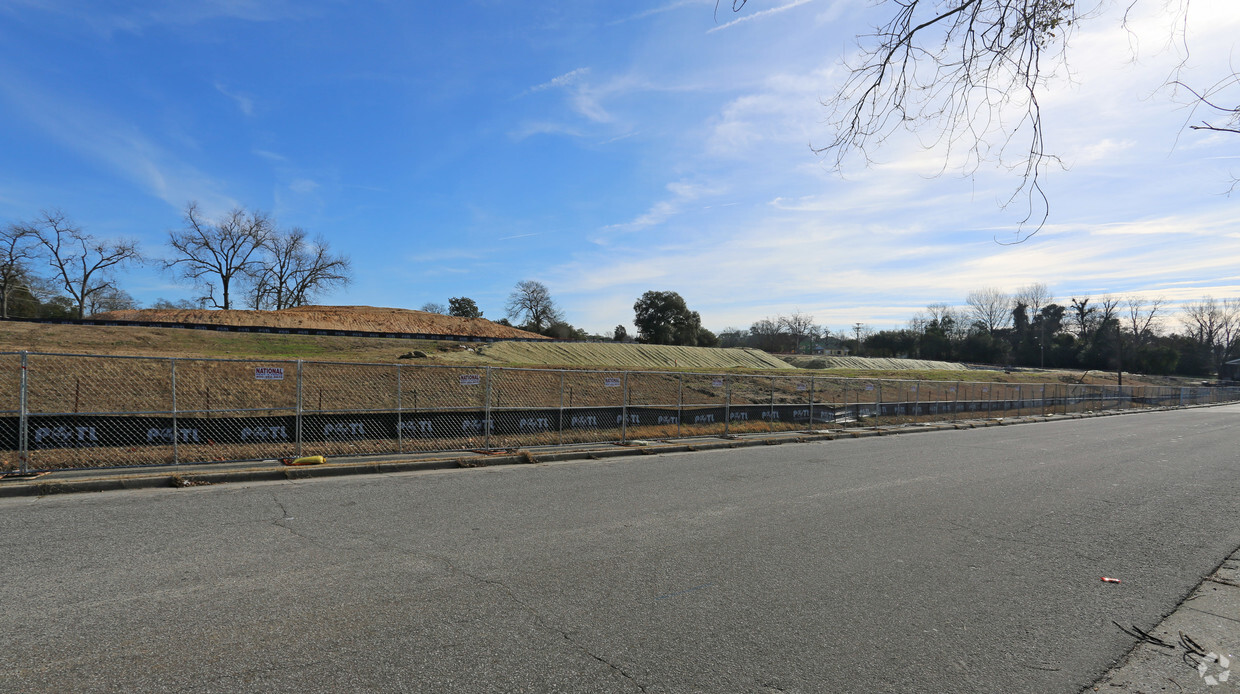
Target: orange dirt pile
[{"x": 366, "y": 318}]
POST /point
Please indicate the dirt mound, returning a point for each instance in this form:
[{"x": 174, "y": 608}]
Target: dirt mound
[{"x": 361, "y": 318}]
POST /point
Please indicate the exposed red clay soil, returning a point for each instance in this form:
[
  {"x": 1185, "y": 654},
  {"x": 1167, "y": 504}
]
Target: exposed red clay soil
[{"x": 367, "y": 318}]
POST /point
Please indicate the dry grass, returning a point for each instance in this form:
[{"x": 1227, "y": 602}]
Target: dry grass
[
  {"x": 811, "y": 361},
  {"x": 629, "y": 356}
]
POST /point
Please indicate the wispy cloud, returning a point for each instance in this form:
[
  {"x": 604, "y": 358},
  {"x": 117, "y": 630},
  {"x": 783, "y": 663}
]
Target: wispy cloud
[
  {"x": 659, "y": 10},
  {"x": 533, "y": 128},
  {"x": 303, "y": 186},
  {"x": 244, "y": 102},
  {"x": 583, "y": 97},
  {"x": 136, "y": 17},
  {"x": 759, "y": 15},
  {"x": 271, "y": 156},
  {"x": 568, "y": 79},
  {"x": 682, "y": 193},
  {"x": 119, "y": 145}
]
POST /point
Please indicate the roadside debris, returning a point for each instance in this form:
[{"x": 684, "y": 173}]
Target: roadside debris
[
  {"x": 1111, "y": 580},
  {"x": 305, "y": 460},
  {"x": 1145, "y": 636}
]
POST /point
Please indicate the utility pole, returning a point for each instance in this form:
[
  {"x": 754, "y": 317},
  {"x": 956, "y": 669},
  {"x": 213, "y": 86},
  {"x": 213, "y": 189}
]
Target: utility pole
[
  {"x": 1119, "y": 354},
  {"x": 1042, "y": 340}
]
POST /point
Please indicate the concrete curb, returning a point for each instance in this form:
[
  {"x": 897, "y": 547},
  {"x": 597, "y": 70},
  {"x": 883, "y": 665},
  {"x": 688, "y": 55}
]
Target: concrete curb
[
  {"x": 198, "y": 474},
  {"x": 1207, "y": 658}
]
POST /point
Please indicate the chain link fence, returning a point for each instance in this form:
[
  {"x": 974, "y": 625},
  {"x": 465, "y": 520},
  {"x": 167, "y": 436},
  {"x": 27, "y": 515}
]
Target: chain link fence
[{"x": 60, "y": 411}]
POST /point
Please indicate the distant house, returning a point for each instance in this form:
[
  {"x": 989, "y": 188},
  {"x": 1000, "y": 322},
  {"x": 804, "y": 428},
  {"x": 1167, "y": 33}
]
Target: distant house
[
  {"x": 831, "y": 347},
  {"x": 1230, "y": 370}
]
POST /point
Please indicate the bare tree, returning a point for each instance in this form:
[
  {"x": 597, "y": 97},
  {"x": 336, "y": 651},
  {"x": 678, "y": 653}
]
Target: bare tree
[
  {"x": 532, "y": 300},
  {"x": 295, "y": 270},
  {"x": 1084, "y": 316},
  {"x": 819, "y": 334},
  {"x": 1215, "y": 325},
  {"x": 1208, "y": 99},
  {"x": 220, "y": 253},
  {"x": 940, "y": 312},
  {"x": 972, "y": 73},
  {"x": 82, "y": 264},
  {"x": 16, "y": 252},
  {"x": 990, "y": 308},
  {"x": 1144, "y": 318},
  {"x": 432, "y": 307},
  {"x": 180, "y": 304},
  {"x": 767, "y": 334},
  {"x": 1036, "y": 296},
  {"x": 798, "y": 326},
  {"x": 110, "y": 299},
  {"x": 1108, "y": 309}
]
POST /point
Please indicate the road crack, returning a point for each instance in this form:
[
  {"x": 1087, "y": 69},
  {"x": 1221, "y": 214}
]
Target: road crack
[
  {"x": 281, "y": 522},
  {"x": 540, "y": 621}
]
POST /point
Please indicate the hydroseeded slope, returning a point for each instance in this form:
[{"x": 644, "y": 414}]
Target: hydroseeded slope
[
  {"x": 805, "y": 361},
  {"x": 629, "y": 356}
]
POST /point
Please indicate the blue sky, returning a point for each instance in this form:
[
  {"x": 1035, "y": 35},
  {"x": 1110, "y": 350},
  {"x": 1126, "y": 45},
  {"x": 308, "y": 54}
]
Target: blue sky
[{"x": 605, "y": 149}]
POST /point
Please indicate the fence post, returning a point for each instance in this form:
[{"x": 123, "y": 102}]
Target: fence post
[
  {"x": 878, "y": 402},
  {"x": 770, "y": 421},
  {"x": 297, "y": 427},
  {"x": 680, "y": 401},
  {"x": 400, "y": 415},
  {"x": 811, "y": 402},
  {"x": 727, "y": 405},
  {"x": 916, "y": 399},
  {"x": 624, "y": 410},
  {"x": 956, "y": 402},
  {"x": 560, "y": 424},
  {"x": 23, "y": 423},
  {"x": 486, "y": 411},
  {"x": 176, "y": 437},
  {"x": 844, "y": 389}
]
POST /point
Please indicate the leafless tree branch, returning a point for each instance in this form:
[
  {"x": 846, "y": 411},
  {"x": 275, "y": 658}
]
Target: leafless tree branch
[
  {"x": 81, "y": 263},
  {"x": 219, "y": 253}
]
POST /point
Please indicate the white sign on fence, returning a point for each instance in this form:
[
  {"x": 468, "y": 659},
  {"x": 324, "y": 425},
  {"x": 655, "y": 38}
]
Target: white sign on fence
[
  {"x": 611, "y": 383},
  {"x": 717, "y": 383},
  {"x": 471, "y": 379},
  {"x": 269, "y": 373}
]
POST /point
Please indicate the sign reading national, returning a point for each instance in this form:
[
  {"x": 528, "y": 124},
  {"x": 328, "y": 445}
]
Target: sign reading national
[{"x": 269, "y": 373}]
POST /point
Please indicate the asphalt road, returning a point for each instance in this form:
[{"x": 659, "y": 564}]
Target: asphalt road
[{"x": 956, "y": 561}]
